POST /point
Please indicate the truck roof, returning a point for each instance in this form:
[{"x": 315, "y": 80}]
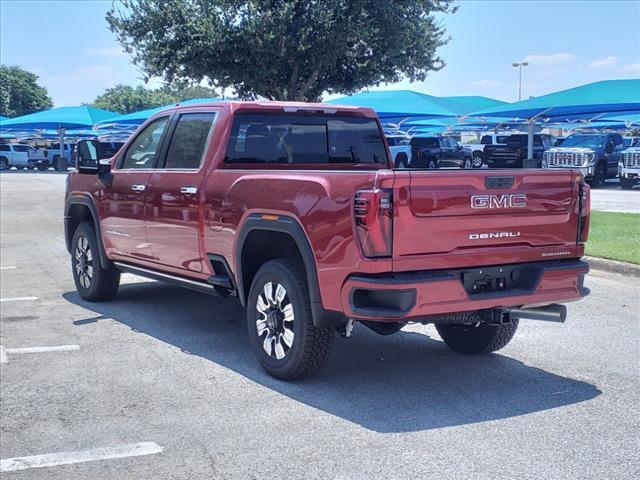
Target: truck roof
[{"x": 267, "y": 105}]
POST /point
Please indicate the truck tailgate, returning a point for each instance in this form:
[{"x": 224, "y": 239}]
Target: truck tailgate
[{"x": 439, "y": 212}]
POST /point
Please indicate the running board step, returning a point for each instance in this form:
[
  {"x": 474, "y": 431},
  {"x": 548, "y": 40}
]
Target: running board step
[{"x": 221, "y": 280}]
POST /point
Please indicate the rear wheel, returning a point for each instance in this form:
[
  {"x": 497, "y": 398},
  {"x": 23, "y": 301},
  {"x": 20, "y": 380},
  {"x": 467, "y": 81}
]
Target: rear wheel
[
  {"x": 93, "y": 282},
  {"x": 627, "y": 183},
  {"x": 4, "y": 164},
  {"x": 475, "y": 338},
  {"x": 283, "y": 338}
]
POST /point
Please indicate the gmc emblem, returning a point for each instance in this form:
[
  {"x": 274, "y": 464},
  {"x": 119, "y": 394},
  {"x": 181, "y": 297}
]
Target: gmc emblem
[{"x": 516, "y": 200}]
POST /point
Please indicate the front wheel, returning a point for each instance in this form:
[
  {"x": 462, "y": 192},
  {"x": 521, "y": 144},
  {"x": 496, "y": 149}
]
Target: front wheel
[
  {"x": 475, "y": 338},
  {"x": 283, "y": 338},
  {"x": 4, "y": 164},
  {"x": 627, "y": 183},
  {"x": 599, "y": 176},
  {"x": 467, "y": 163},
  {"x": 93, "y": 282}
]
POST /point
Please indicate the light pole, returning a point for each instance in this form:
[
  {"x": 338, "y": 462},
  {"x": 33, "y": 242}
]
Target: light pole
[{"x": 519, "y": 67}]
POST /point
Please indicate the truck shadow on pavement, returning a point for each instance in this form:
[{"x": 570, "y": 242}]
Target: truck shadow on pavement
[{"x": 403, "y": 383}]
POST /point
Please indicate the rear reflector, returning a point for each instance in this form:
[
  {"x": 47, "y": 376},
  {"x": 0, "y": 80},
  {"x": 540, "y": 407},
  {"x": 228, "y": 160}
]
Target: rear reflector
[{"x": 373, "y": 211}]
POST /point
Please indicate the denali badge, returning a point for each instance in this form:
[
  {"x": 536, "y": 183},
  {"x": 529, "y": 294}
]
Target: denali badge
[
  {"x": 515, "y": 200},
  {"x": 482, "y": 236}
]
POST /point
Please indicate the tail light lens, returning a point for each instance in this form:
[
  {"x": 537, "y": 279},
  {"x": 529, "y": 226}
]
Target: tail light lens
[
  {"x": 585, "y": 209},
  {"x": 373, "y": 211}
]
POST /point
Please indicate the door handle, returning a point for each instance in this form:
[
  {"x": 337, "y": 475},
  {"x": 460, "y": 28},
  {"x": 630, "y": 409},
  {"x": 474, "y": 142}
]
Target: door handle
[
  {"x": 138, "y": 188},
  {"x": 189, "y": 190}
]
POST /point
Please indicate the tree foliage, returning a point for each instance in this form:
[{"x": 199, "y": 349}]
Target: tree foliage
[
  {"x": 126, "y": 99},
  {"x": 283, "y": 49},
  {"x": 20, "y": 93}
]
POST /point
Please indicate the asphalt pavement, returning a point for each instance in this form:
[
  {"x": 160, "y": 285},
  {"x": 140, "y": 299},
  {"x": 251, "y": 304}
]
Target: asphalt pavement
[{"x": 160, "y": 383}]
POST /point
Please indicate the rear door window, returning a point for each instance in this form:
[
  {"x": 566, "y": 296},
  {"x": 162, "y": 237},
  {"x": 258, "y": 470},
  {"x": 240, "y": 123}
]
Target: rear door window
[
  {"x": 304, "y": 139},
  {"x": 21, "y": 148},
  {"x": 189, "y": 139}
]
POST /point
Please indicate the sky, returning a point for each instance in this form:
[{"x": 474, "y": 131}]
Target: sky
[{"x": 567, "y": 43}]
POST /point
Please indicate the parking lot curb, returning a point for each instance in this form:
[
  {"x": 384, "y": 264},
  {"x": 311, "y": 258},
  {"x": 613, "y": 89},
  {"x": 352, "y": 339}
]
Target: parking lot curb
[{"x": 613, "y": 266}]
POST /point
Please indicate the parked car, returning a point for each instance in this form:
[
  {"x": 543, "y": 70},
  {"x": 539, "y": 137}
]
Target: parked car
[
  {"x": 400, "y": 148},
  {"x": 629, "y": 167},
  {"x": 514, "y": 152},
  {"x": 52, "y": 155},
  {"x": 631, "y": 141},
  {"x": 13, "y": 155},
  {"x": 37, "y": 158},
  {"x": 596, "y": 155},
  {"x": 477, "y": 149},
  {"x": 440, "y": 152},
  {"x": 295, "y": 210}
]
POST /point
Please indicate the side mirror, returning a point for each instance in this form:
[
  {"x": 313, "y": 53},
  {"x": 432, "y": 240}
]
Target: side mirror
[{"x": 87, "y": 156}]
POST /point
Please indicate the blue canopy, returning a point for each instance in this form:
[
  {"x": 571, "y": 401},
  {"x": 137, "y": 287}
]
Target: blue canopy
[
  {"x": 56, "y": 118},
  {"x": 3, "y": 117},
  {"x": 138, "y": 118},
  {"x": 400, "y": 103},
  {"x": 582, "y": 102},
  {"x": 473, "y": 103}
]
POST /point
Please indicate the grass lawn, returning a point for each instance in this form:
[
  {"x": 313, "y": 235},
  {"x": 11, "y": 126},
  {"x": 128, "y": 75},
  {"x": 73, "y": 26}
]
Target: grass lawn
[{"x": 615, "y": 236}]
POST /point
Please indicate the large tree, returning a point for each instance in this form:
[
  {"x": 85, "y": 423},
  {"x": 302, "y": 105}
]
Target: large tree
[
  {"x": 283, "y": 49},
  {"x": 126, "y": 99},
  {"x": 20, "y": 93}
]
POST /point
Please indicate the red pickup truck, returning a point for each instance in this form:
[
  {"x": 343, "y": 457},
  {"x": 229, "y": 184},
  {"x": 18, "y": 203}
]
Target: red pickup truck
[{"x": 295, "y": 210}]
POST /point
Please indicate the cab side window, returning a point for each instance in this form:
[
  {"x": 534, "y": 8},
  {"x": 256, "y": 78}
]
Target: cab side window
[
  {"x": 189, "y": 139},
  {"x": 143, "y": 150}
]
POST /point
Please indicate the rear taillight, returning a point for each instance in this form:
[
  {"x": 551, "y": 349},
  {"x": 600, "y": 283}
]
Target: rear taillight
[
  {"x": 584, "y": 209},
  {"x": 373, "y": 211}
]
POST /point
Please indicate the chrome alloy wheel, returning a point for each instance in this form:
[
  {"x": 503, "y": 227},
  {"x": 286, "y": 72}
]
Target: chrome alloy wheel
[
  {"x": 84, "y": 262},
  {"x": 275, "y": 320}
]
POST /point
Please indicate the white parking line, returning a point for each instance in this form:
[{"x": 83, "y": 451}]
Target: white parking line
[
  {"x": 8, "y": 267},
  {"x": 18, "y": 299},
  {"x": 57, "y": 348},
  {"x": 4, "y": 352},
  {"x": 81, "y": 456}
]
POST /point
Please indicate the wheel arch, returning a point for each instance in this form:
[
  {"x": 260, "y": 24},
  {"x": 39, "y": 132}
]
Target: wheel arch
[
  {"x": 78, "y": 209},
  {"x": 288, "y": 230}
]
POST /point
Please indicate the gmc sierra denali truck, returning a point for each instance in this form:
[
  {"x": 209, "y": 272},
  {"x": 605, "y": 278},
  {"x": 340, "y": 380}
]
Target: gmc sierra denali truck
[
  {"x": 294, "y": 209},
  {"x": 595, "y": 155}
]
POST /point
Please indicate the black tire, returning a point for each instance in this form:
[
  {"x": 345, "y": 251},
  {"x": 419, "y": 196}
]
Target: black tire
[
  {"x": 4, "y": 164},
  {"x": 475, "y": 338},
  {"x": 42, "y": 168},
  {"x": 468, "y": 163},
  {"x": 627, "y": 183},
  {"x": 431, "y": 163},
  {"x": 93, "y": 282},
  {"x": 599, "y": 176},
  {"x": 401, "y": 161},
  {"x": 303, "y": 348}
]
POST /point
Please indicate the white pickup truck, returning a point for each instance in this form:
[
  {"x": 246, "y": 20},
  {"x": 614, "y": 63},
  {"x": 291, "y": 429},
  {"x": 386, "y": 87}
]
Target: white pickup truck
[
  {"x": 13, "y": 155},
  {"x": 477, "y": 149},
  {"x": 400, "y": 149}
]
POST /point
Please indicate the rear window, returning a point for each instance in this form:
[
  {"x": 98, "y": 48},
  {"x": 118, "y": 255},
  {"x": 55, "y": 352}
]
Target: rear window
[
  {"x": 424, "y": 142},
  {"x": 305, "y": 139}
]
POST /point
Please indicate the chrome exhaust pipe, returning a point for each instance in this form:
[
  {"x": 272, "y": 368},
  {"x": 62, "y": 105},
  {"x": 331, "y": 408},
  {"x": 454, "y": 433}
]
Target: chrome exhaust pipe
[{"x": 550, "y": 313}]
